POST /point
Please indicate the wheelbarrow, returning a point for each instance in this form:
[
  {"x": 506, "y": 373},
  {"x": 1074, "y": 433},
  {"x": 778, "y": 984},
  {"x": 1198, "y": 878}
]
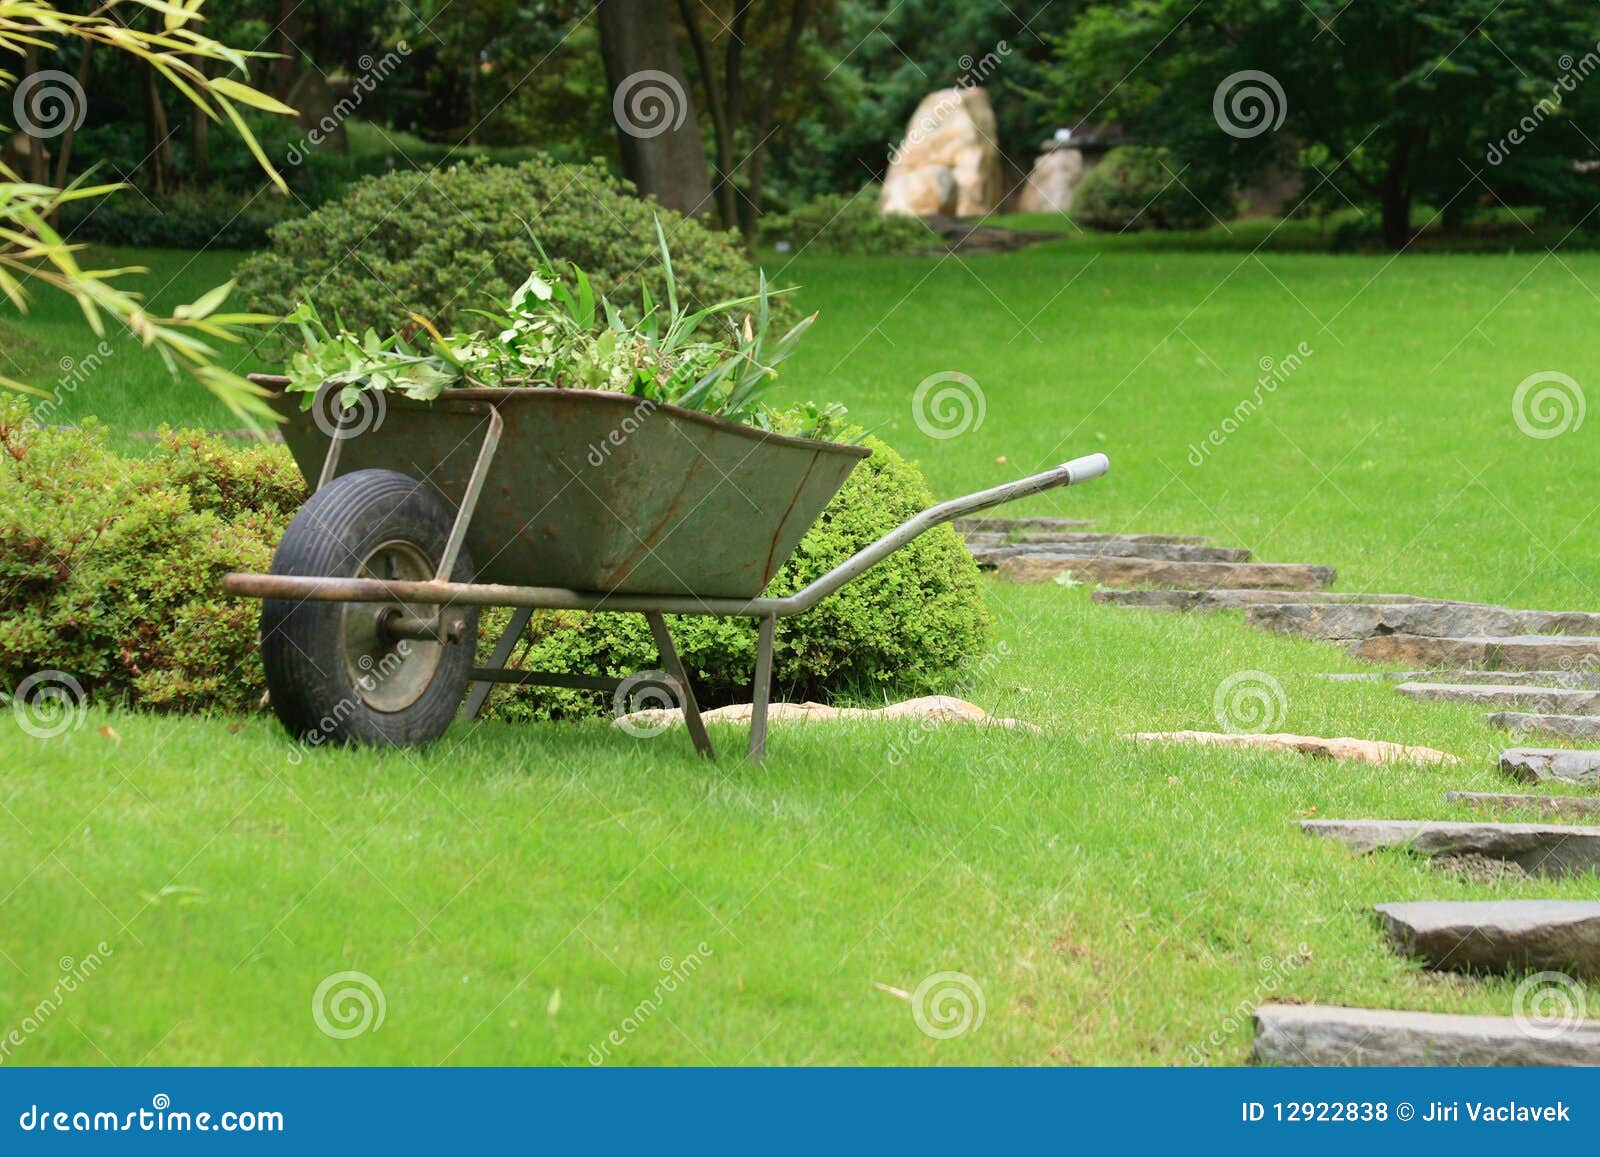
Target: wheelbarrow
[{"x": 422, "y": 513}]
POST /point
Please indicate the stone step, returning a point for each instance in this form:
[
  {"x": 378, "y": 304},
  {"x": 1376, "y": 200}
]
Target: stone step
[
  {"x": 1545, "y": 764},
  {"x": 1550, "y": 849},
  {"x": 1553, "y": 700},
  {"x": 1561, "y": 680},
  {"x": 1161, "y": 551},
  {"x": 1560, "y": 726},
  {"x": 1298, "y": 1035},
  {"x": 1517, "y": 652},
  {"x": 1351, "y": 621},
  {"x": 1498, "y": 935},
  {"x": 1232, "y": 599},
  {"x": 1133, "y": 572},
  {"x": 1019, "y": 525},
  {"x": 1551, "y": 805},
  {"x": 995, "y": 538}
]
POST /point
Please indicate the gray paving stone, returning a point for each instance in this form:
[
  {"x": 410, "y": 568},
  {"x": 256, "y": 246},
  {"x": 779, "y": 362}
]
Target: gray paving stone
[
  {"x": 1561, "y": 726},
  {"x": 1516, "y": 652},
  {"x": 1550, "y": 805},
  {"x": 1498, "y": 935},
  {"x": 1132, "y": 572},
  {"x": 1538, "y": 764},
  {"x": 1230, "y": 599},
  {"x": 1348, "y": 621},
  {"x": 1328, "y": 1035},
  {"x": 1018, "y": 525},
  {"x": 1162, "y": 551},
  {"x": 1540, "y": 700},
  {"x": 1548, "y": 849}
]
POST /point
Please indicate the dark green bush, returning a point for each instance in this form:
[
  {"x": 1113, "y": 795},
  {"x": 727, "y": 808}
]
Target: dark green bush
[
  {"x": 441, "y": 243},
  {"x": 186, "y": 219},
  {"x": 110, "y": 567},
  {"x": 1144, "y": 188},
  {"x": 834, "y": 223},
  {"x": 901, "y": 628}
]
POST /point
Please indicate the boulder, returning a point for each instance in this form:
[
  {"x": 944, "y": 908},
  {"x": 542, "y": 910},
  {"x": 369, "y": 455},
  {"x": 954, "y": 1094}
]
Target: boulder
[
  {"x": 1498, "y": 935},
  {"x": 928, "y": 708},
  {"x": 1363, "y": 750},
  {"x": 1536, "y": 764},
  {"x": 1548, "y": 849},
  {"x": 949, "y": 162},
  {"x": 1056, "y": 174},
  {"x": 1329, "y": 1035}
]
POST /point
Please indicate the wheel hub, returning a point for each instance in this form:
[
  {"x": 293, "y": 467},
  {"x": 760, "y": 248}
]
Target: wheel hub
[{"x": 389, "y": 673}]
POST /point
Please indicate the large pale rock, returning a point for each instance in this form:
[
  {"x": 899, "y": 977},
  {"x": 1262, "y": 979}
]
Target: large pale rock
[
  {"x": 1537, "y": 764},
  {"x": 1498, "y": 935},
  {"x": 1519, "y": 652},
  {"x": 1548, "y": 849},
  {"x": 1551, "y": 805},
  {"x": 928, "y": 708},
  {"x": 1331, "y": 1036},
  {"x": 1362, "y": 750},
  {"x": 949, "y": 161},
  {"x": 1056, "y": 174},
  {"x": 1137, "y": 572}
]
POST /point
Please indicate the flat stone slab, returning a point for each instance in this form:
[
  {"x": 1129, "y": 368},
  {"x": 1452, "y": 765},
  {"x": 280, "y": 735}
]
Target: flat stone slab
[
  {"x": 1342, "y": 747},
  {"x": 1348, "y": 621},
  {"x": 1550, "y": 805},
  {"x": 1231, "y": 599},
  {"x": 928, "y": 709},
  {"x": 1159, "y": 551},
  {"x": 1008, "y": 525},
  {"x": 1295, "y": 1035},
  {"x": 1561, "y": 726},
  {"x": 1547, "y": 849},
  {"x": 1136, "y": 572},
  {"x": 1038, "y": 536},
  {"x": 1497, "y": 935},
  {"x": 1539, "y": 764},
  {"x": 1541, "y": 700},
  {"x": 1517, "y": 652}
]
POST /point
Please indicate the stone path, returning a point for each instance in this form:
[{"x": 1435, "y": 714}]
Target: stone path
[
  {"x": 1497, "y": 935},
  {"x": 1550, "y": 805},
  {"x": 1539, "y": 849},
  {"x": 1540, "y": 764},
  {"x": 1309, "y": 1034}
]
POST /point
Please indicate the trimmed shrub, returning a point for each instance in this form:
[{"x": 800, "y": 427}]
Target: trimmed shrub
[
  {"x": 110, "y": 568},
  {"x": 901, "y": 628},
  {"x": 187, "y": 219},
  {"x": 847, "y": 224},
  {"x": 1143, "y": 188},
  {"x": 441, "y": 243}
]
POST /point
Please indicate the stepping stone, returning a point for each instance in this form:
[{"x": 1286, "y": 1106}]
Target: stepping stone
[
  {"x": 1551, "y": 849},
  {"x": 1519, "y": 652},
  {"x": 1564, "y": 680},
  {"x": 1541, "y": 764},
  {"x": 1365, "y": 750},
  {"x": 1162, "y": 551},
  {"x": 1328, "y": 1035},
  {"x": 1230, "y": 599},
  {"x": 1498, "y": 935},
  {"x": 1008, "y": 525},
  {"x": 1563, "y": 726},
  {"x": 1348, "y": 621},
  {"x": 1550, "y": 805},
  {"x": 1057, "y": 536},
  {"x": 1562, "y": 700},
  {"x": 1129, "y": 572}
]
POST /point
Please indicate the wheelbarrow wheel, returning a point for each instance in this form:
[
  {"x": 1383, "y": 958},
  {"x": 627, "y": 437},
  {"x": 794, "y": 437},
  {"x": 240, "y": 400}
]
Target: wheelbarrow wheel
[{"x": 337, "y": 672}]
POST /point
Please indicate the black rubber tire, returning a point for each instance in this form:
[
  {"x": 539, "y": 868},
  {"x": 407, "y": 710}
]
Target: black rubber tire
[{"x": 303, "y": 644}]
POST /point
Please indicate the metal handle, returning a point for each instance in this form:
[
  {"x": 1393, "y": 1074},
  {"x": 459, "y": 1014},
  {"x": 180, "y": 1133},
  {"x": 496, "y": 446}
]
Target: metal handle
[{"x": 1067, "y": 474}]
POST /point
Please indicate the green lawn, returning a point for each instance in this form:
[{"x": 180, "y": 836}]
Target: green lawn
[{"x": 1114, "y": 903}]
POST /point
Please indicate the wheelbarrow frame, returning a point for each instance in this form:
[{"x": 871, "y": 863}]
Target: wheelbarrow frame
[{"x": 440, "y": 592}]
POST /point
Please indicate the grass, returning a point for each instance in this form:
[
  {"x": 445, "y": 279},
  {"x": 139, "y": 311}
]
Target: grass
[{"x": 515, "y": 890}]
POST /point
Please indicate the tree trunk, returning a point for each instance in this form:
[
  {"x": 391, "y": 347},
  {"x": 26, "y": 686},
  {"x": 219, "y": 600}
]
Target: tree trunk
[
  {"x": 721, "y": 129},
  {"x": 658, "y": 134},
  {"x": 1394, "y": 196},
  {"x": 761, "y": 132}
]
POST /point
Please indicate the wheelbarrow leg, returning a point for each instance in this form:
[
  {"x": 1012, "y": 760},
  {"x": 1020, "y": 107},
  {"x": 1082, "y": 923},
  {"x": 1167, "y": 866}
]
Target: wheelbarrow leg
[
  {"x": 478, "y": 694},
  {"x": 762, "y": 691},
  {"x": 674, "y": 666}
]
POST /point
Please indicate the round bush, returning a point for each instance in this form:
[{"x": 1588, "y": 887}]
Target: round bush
[
  {"x": 899, "y": 629},
  {"x": 444, "y": 242},
  {"x": 1143, "y": 188},
  {"x": 834, "y": 223}
]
